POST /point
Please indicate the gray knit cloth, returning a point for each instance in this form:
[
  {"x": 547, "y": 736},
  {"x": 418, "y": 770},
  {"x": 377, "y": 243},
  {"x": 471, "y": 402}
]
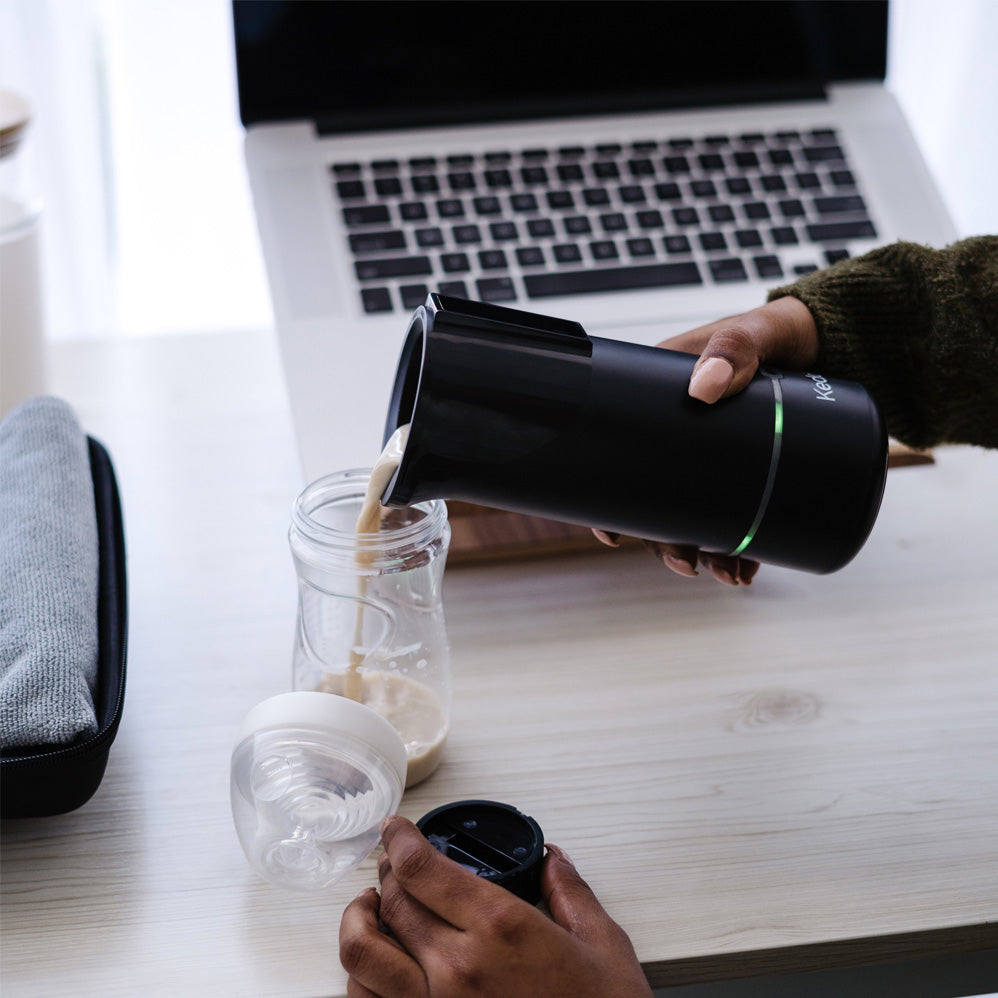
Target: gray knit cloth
[{"x": 48, "y": 578}]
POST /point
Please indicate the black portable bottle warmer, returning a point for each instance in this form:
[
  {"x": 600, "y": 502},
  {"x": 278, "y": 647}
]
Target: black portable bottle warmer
[{"x": 528, "y": 413}]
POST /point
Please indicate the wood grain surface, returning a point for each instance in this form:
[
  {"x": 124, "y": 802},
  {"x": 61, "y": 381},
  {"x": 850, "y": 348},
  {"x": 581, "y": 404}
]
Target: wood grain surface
[{"x": 799, "y": 773}]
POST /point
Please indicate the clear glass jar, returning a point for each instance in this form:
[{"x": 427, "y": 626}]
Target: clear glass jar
[
  {"x": 22, "y": 320},
  {"x": 370, "y": 614}
]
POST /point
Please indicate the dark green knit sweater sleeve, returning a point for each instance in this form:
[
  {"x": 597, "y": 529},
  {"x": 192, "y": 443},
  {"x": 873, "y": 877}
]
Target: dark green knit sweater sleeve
[{"x": 919, "y": 328}]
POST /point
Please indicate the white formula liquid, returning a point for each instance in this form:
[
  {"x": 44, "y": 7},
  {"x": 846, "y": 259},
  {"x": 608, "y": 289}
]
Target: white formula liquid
[{"x": 413, "y": 709}]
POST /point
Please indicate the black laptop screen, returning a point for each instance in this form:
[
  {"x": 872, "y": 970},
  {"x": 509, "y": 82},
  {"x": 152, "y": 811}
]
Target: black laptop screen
[{"x": 353, "y": 66}]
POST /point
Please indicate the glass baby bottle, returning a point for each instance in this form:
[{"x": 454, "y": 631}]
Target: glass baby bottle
[{"x": 370, "y": 623}]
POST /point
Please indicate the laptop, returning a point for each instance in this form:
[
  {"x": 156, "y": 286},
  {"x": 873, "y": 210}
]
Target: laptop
[{"x": 641, "y": 168}]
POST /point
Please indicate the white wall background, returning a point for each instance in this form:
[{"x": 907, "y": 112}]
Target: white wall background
[{"x": 149, "y": 226}]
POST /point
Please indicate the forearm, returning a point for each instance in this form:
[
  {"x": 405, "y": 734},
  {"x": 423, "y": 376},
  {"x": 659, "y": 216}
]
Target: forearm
[{"x": 919, "y": 328}]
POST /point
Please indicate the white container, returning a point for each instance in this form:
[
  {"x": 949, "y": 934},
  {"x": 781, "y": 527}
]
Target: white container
[{"x": 22, "y": 326}]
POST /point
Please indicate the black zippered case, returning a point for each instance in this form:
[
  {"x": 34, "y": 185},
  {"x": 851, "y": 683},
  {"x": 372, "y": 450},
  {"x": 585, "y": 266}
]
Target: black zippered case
[{"x": 56, "y": 779}]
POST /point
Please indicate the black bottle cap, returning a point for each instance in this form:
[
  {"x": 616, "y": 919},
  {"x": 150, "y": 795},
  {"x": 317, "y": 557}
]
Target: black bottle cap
[{"x": 493, "y": 840}]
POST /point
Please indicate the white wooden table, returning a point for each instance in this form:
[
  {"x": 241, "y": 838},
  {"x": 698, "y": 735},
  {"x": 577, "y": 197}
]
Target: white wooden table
[{"x": 795, "y": 775}]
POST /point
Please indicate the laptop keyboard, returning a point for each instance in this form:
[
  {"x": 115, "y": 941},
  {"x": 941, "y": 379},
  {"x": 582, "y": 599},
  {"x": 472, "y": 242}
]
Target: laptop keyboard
[{"x": 516, "y": 226}]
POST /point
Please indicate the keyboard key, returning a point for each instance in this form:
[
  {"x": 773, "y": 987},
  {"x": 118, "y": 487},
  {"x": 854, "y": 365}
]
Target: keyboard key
[
  {"x": 603, "y": 249},
  {"x": 655, "y": 275},
  {"x": 595, "y": 196},
  {"x": 492, "y": 259},
  {"x": 805, "y": 268},
  {"x": 713, "y": 241},
  {"x": 423, "y": 162},
  {"x": 460, "y": 159},
  {"x": 348, "y": 189},
  {"x": 462, "y": 180},
  {"x": 376, "y": 242},
  {"x": 412, "y": 211},
  {"x": 605, "y": 170},
  {"x": 651, "y": 219},
  {"x": 641, "y": 168},
  {"x": 560, "y": 200},
  {"x": 534, "y": 175},
  {"x": 843, "y": 178},
  {"x": 523, "y": 202},
  {"x": 780, "y": 157},
  {"x": 537, "y": 155},
  {"x": 808, "y": 181},
  {"x": 632, "y": 194},
  {"x": 495, "y": 289},
  {"x": 641, "y": 247},
  {"x": 498, "y": 178},
  {"x": 748, "y": 238},
  {"x": 387, "y": 186},
  {"x": 738, "y": 186},
  {"x": 424, "y": 183},
  {"x": 457, "y": 289},
  {"x": 710, "y": 161},
  {"x": 577, "y": 225},
  {"x": 502, "y": 231},
  {"x": 823, "y": 154},
  {"x": 609, "y": 148},
  {"x": 834, "y": 255},
  {"x": 773, "y": 183},
  {"x": 767, "y": 266},
  {"x": 429, "y": 237},
  {"x": 400, "y": 266},
  {"x": 366, "y": 214},
  {"x": 570, "y": 172},
  {"x": 455, "y": 263},
  {"x": 376, "y": 300},
  {"x": 487, "y": 205},
  {"x": 826, "y": 232},
  {"x": 784, "y": 235},
  {"x": 613, "y": 222},
  {"x": 450, "y": 208},
  {"x": 791, "y": 208},
  {"x": 413, "y": 295},
  {"x": 728, "y": 269},
  {"x": 668, "y": 191},
  {"x": 676, "y": 244},
  {"x": 755, "y": 210},
  {"x": 839, "y": 205},
  {"x": 704, "y": 188},
  {"x": 530, "y": 256},
  {"x": 746, "y": 160},
  {"x": 685, "y": 216},
  {"x": 676, "y": 164},
  {"x": 540, "y": 228},
  {"x": 567, "y": 253},
  {"x": 346, "y": 169},
  {"x": 721, "y": 213},
  {"x": 464, "y": 234},
  {"x": 501, "y": 156}
]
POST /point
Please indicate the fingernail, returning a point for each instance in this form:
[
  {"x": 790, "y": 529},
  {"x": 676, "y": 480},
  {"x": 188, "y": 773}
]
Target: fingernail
[
  {"x": 723, "y": 575},
  {"x": 559, "y": 853},
  {"x": 604, "y": 537},
  {"x": 679, "y": 565},
  {"x": 711, "y": 379}
]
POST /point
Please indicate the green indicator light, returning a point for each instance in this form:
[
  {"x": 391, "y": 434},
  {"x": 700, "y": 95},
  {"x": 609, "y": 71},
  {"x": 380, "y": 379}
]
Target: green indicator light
[{"x": 777, "y": 434}]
